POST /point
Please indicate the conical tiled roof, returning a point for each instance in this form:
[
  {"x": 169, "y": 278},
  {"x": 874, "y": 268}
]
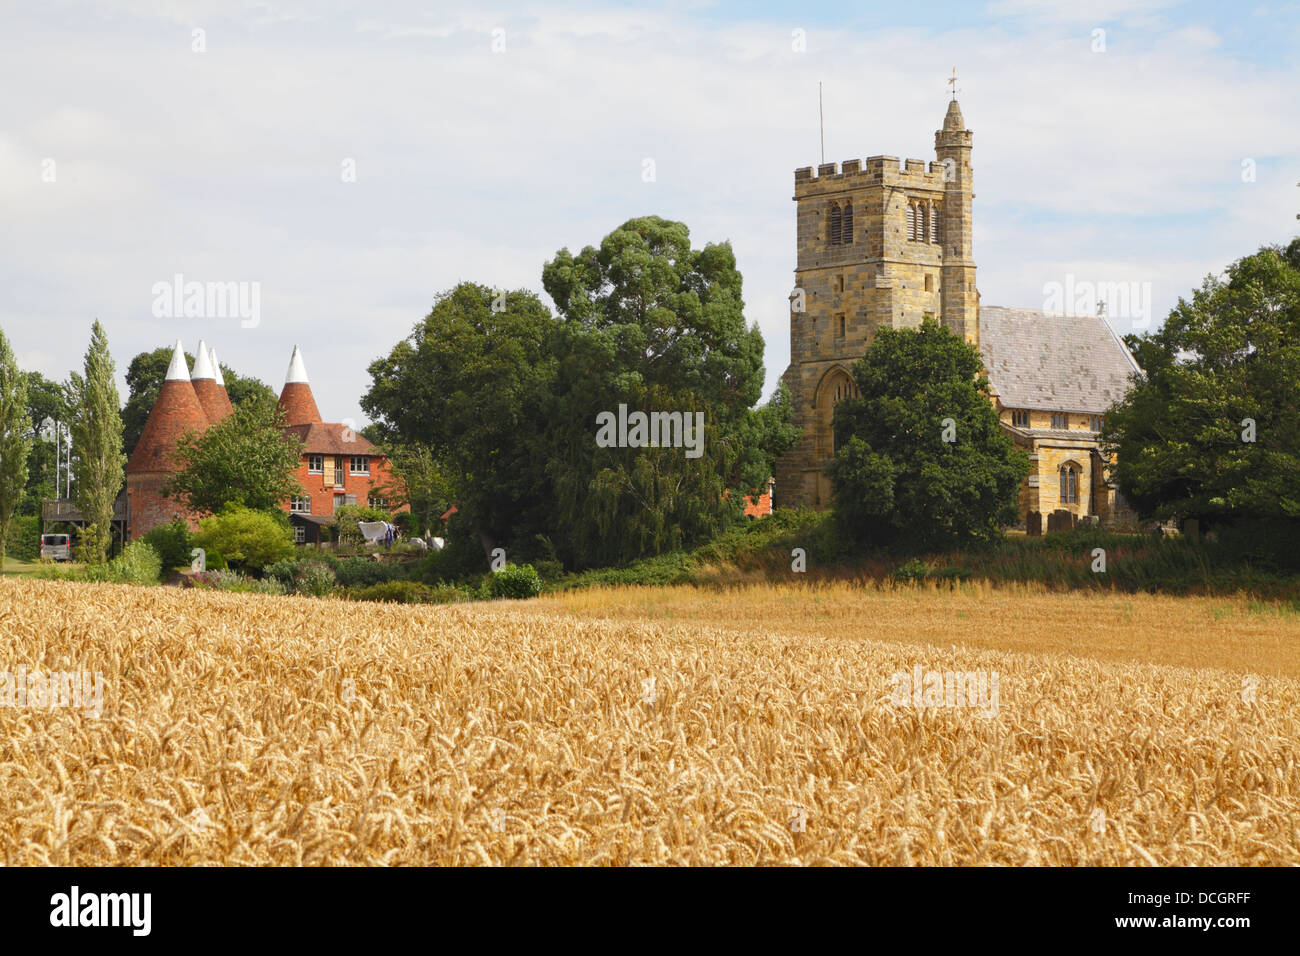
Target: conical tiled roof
[
  {"x": 212, "y": 396},
  {"x": 297, "y": 401},
  {"x": 176, "y": 411}
]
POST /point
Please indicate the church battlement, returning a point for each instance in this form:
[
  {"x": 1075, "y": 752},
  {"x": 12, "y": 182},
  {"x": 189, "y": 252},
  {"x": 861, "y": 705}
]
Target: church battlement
[{"x": 873, "y": 171}]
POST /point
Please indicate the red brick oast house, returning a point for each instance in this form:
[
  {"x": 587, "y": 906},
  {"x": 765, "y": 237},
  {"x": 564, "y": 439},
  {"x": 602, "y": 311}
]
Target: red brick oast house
[{"x": 338, "y": 465}]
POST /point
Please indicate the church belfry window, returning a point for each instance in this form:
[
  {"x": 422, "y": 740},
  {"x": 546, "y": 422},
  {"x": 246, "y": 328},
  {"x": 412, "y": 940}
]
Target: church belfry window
[
  {"x": 911, "y": 221},
  {"x": 846, "y": 233},
  {"x": 835, "y": 223}
]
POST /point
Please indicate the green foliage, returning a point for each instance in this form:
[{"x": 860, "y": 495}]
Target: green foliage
[
  {"x": 223, "y": 580},
  {"x": 362, "y": 572},
  {"x": 144, "y": 378},
  {"x": 247, "y": 538},
  {"x": 654, "y": 324},
  {"x": 173, "y": 543},
  {"x": 897, "y": 481},
  {"x": 15, "y": 439},
  {"x": 1230, "y": 354},
  {"x": 407, "y": 592},
  {"x": 96, "y": 425},
  {"x": 46, "y": 405},
  {"x": 246, "y": 459},
  {"x": 313, "y": 579},
  {"x": 138, "y": 563},
  {"x": 419, "y": 481},
  {"x": 25, "y": 537},
  {"x": 469, "y": 383},
  {"x": 516, "y": 581},
  {"x": 310, "y": 576},
  {"x": 348, "y": 517}
]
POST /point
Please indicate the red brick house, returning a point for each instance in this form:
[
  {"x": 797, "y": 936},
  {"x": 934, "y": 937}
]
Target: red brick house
[{"x": 338, "y": 466}]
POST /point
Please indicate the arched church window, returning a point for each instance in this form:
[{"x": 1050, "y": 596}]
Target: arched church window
[
  {"x": 1069, "y": 484},
  {"x": 911, "y": 221},
  {"x": 835, "y": 223},
  {"x": 846, "y": 234}
]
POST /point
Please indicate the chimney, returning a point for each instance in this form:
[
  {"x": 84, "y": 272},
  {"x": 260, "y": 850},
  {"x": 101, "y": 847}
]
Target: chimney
[
  {"x": 296, "y": 399},
  {"x": 211, "y": 393},
  {"x": 176, "y": 411}
]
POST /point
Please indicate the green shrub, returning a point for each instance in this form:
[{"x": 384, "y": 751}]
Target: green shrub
[
  {"x": 549, "y": 570},
  {"x": 137, "y": 564},
  {"x": 363, "y": 572},
  {"x": 247, "y": 538},
  {"x": 24, "y": 540},
  {"x": 172, "y": 542},
  {"x": 234, "y": 581},
  {"x": 516, "y": 581},
  {"x": 348, "y": 517},
  {"x": 282, "y": 571},
  {"x": 913, "y": 570},
  {"x": 399, "y": 592},
  {"x": 313, "y": 579}
]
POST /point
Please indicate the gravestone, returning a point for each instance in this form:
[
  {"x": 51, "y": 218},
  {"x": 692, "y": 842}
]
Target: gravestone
[{"x": 1034, "y": 524}]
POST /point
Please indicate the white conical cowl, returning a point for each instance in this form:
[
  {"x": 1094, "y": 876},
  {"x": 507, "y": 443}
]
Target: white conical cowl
[
  {"x": 202, "y": 363},
  {"x": 297, "y": 370},
  {"x": 216, "y": 368},
  {"x": 178, "y": 370}
]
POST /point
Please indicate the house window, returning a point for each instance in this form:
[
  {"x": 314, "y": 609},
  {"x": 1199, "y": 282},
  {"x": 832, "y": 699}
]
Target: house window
[
  {"x": 300, "y": 505},
  {"x": 315, "y": 464},
  {"x": 359, "y": 464},
  {"x": 380, "y": 503},
  {"x": 340, "y": 500},
  {"x": 1060, "y": 420},
  {"x": 1095, "y": 422},
  {"x": 1020, "y": 418},
  {"x": 846, "y": 231},
  {"x": 299, "y": 534},
  {"x": 835, "y": 224},
  {"x": 1069, "y": 484}
]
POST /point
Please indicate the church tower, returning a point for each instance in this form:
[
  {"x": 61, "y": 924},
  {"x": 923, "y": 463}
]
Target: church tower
[{"x": 878, "y": 242}]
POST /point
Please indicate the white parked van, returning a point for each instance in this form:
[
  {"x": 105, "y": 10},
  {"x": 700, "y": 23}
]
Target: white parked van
[{"x": 56, "y": 547}]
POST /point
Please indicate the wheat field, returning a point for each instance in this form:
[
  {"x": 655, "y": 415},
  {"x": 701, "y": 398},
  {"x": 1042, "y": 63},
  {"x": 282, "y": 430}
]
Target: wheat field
[{"x": 635, "y": 726}]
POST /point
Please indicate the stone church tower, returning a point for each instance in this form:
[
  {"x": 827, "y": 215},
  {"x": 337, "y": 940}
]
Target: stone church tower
[{"x": 878, "y": 243}]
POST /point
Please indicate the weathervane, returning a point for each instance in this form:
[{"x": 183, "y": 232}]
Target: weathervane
[{"x": 953, "y": 83}]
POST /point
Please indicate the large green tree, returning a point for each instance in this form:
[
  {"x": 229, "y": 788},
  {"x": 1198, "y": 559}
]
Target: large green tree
[
  {"x": 1212, "y": 430},
  {"x": 245, "y": 460},
  {"x": 15, "y": 438},
  {"x": 144, "y": 377},
  {"x": 96, "y": 425},
  {"x": 921, "y": 459},
  {"x": 650, "y": 323},
  {"x": 47, "y": 409},
  {"x": 470, "y": 383}
]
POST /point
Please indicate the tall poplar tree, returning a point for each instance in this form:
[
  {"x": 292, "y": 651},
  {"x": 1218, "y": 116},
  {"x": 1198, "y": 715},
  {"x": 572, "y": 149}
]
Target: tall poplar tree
[
  {"x": 15, "y": 441},
  {"x": 97, "y": 443}
]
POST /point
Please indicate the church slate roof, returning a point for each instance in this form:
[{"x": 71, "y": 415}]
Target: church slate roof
[{"x": 1041, "y": 361}]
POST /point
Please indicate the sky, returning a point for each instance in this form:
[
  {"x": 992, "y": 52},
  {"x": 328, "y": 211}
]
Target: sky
[{"x": 349, "y": 161}]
